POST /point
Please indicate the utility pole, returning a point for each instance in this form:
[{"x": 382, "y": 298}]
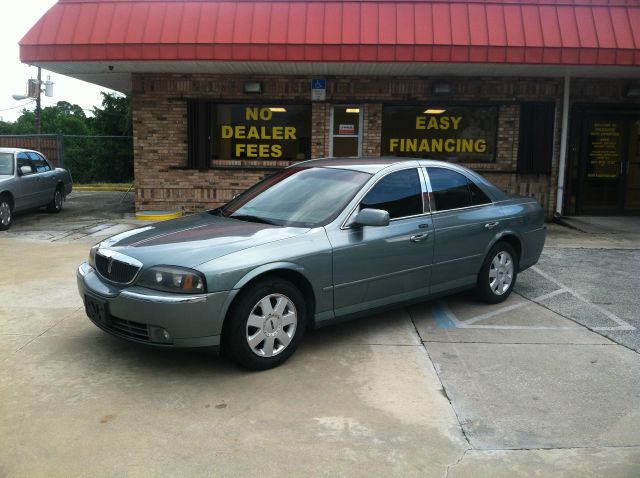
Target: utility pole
[{"x": 39, "y": 109}]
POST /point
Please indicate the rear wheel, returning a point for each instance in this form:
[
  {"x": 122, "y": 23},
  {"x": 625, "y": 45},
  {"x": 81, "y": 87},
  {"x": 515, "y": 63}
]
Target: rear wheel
[
  {"x": 55, "y": 205},
  {"x": 266, "y": 324},
  {"x": 6, "y": 213},
  {"x": 498, "y": 274}
]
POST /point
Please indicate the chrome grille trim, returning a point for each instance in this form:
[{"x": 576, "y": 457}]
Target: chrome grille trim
[{"x": 116, "y": 267}]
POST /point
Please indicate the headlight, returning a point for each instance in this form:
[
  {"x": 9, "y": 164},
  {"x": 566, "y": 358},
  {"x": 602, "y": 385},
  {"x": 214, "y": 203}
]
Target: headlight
[
  {"x": 92, "y": 255},
  {"x": 173, "y": 279}
]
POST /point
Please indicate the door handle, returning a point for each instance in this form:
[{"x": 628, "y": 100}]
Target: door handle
[
  {"x": 419, "y": 237},
  {"x": 491, "y": 225}
]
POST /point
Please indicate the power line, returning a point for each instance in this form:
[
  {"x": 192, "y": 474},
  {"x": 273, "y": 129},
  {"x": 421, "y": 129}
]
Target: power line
[{"x": 19, "y": 106}]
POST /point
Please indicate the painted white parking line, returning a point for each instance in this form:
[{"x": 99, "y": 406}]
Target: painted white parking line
[
  {"x": 622, "y": 325},
  {"x": 470, "y": 323},
  {"x": 446, "y": 318}
]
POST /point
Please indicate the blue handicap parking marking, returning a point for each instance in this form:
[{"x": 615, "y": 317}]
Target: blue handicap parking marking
[{"x": 443, "y": 320}]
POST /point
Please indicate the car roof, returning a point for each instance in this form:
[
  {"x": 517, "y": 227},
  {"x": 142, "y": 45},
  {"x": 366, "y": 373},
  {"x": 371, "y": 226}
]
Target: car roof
[
  {"x": 373, "y": 165},
  {"x": 16, "y": 150}
]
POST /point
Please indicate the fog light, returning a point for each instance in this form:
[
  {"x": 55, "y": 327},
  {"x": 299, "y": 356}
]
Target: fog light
[{"x": 158, "y": 334}]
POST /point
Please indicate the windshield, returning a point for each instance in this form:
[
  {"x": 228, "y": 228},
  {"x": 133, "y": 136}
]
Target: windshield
[
  {"x": 6, "y": 163},
  {"x": 298, "y": 196}
]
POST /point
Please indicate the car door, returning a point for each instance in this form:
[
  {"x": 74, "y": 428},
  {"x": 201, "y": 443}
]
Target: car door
[
  {"x": 376, "y": 266},
  {"x": 465, "y": 221},
  {"x": 27, "y": 194},
  {"x": 45, "y": 179}
]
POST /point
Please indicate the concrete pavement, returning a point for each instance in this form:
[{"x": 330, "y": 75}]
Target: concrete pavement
[{"x": 536, "y": 386}]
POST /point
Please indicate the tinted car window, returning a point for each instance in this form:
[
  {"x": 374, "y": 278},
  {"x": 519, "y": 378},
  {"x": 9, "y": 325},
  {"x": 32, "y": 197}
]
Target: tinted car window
[
  {"x": 450, "y": 189},
  {"x": 477, "y": 195},
  {"x": 40, "y": 165},
  {"x": 399, "y": 193},
  {"x": 23, "y": 160}
]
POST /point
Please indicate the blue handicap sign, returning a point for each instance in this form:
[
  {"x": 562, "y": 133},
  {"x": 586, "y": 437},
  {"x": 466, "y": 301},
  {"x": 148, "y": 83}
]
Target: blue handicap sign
[{"x": 318, "y": 84}]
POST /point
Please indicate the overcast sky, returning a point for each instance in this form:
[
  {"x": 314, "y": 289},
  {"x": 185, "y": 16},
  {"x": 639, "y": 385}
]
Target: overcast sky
[{"x": 17, "y": 18}]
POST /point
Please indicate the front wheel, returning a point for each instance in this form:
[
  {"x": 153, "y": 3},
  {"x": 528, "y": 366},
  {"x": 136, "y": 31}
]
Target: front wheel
[
  {"x": 266, "y": 324},
  {"x": 56, "y": 203},
  {"x": 498, "y": 274},
  {"x": 5, "y": 213}
]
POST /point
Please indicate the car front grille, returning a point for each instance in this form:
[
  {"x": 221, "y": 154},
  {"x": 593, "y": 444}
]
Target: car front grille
[
  {"x": 116, "y": 270},
  {"x": 128, "y": 328}
]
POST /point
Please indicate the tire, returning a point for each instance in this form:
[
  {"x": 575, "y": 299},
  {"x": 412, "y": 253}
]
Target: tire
[
  {"x": 6, "y": 213},
  {"x": 498, "y": 274},
  {"x": 55, "y": 206},
  {"x": 266, "y": 324}
]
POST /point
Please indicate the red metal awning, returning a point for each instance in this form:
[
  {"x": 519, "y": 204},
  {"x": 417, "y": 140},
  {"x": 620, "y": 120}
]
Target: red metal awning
[{"x": 551, "y": 32}]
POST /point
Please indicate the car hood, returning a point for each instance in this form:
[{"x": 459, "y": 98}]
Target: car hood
[{"x": 196, "y": 239}]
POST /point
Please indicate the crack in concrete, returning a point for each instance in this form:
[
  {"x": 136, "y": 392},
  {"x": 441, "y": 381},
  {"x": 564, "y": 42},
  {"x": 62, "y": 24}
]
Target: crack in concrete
[
  {"x": 444, "y": 389},
  {"x": 453, "y": 465}
]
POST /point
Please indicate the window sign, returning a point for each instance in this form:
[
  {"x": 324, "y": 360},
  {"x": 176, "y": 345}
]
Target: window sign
[
  {"x": 604, "y": 149},
  {"x": 449, "y": 133},
  {"x": 281, "y": 132}
]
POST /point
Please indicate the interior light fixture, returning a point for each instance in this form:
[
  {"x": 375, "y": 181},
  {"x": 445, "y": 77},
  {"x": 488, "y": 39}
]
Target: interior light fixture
[
  {"x": 353, "y": 110},
  {"x": 253, "y": 87},
  {"x": 632, "y": 92},
  {"x": 441, "y": 89},
  {"x": 278, "y": 109},
  {"x": 434, "y": 111}
]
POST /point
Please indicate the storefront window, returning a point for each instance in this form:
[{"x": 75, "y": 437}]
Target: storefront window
[
  {"x": 264, "y": 132},
  {"x": 450, "y": 133}
]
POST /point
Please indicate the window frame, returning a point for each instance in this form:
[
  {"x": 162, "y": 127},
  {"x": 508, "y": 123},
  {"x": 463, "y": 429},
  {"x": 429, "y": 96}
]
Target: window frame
[
  {"x": 426, "y": 206},
  {"x": 432, "y": 199},
  {"x": 26, "y": 156},
  {"x": 38, "y": 157}
]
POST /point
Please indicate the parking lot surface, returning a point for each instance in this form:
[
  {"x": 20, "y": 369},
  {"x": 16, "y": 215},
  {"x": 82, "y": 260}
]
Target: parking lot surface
[{"x": 545, "y": 384}]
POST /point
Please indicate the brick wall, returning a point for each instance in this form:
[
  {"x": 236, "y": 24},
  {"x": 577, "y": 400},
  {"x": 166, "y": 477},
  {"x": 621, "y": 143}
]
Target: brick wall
[{"x": 160, "y": 130}]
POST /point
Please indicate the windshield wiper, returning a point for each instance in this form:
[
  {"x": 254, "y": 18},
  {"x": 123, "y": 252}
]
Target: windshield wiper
[{"x": 249, "y": 218}]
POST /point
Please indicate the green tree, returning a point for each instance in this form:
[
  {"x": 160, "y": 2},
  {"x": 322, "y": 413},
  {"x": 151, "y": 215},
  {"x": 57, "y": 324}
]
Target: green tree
[{"x": 88, "y": 156}]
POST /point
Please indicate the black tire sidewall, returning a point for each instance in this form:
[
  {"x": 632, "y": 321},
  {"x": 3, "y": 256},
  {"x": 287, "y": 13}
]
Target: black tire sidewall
[
  {"x": 483, "y": 289},
  {"x": 51, "y": 207},
  {"x": 5, "y": 200},
  {"x": 234, "y": 329}
]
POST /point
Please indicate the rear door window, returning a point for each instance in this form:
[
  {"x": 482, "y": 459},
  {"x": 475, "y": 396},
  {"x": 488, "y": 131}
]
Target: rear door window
[
  {"x": 399, "y": 193},
  {"x": 452, "y": 190}
]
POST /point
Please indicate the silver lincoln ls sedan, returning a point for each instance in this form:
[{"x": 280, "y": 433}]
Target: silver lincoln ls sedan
[{"x": 318, "y": 242}]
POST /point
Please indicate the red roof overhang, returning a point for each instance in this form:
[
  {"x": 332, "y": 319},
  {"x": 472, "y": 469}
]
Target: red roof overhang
[{"x": 540, "y": 32}]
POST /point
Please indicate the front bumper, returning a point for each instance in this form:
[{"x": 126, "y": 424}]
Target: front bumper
[{"x": 138, "y": 314}]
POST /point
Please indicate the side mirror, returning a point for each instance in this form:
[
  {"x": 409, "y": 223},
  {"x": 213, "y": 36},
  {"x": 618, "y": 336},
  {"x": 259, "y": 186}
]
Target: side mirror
[
  {"x": 25, "y": 170},
  {"x": 372, "y": 217}
]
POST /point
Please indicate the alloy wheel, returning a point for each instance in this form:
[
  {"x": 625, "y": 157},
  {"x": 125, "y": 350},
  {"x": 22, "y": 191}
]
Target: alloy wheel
[
  {"x": 271, "y": 325},
  {"x": 501, "y": 273},
  {"x": 57, "y": 200},
  {"x": 5, "y": 213}
]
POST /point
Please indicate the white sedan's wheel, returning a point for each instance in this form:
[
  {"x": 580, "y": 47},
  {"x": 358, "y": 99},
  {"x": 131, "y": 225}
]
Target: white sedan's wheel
[
  {"x": 5, "y": 214},
  {"x": 271, "y": 325}
]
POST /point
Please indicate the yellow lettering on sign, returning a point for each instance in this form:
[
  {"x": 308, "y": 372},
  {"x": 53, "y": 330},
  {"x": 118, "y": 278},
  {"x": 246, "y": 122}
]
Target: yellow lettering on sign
[
  {"x": 289, "y": 132},
  {"x": 438, "y": 122},
  {"x": 437, "y": 145},
  {"x": 226, "y": 132},
  {"x": 254, "y": 114}
]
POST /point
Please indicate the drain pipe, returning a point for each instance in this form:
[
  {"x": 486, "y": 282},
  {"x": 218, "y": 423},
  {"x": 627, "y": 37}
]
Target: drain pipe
[{"x": 563, "y": 146}]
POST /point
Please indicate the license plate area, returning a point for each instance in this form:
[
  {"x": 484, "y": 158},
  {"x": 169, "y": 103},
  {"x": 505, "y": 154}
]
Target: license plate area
[{"x": 97, "y": 310}]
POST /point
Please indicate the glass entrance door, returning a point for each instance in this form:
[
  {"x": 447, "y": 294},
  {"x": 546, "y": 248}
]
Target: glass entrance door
[
  {"x": 346, "y": 131},
  {"x": 632, "y": 169},
  {"x": 610, "y": 169}
]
